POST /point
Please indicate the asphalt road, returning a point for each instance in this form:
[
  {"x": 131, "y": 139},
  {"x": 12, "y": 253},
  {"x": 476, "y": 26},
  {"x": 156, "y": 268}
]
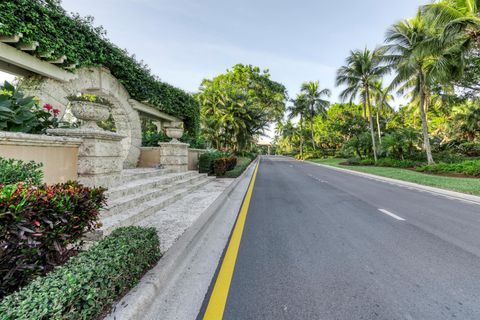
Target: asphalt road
[{"x": 323, "y": 244}]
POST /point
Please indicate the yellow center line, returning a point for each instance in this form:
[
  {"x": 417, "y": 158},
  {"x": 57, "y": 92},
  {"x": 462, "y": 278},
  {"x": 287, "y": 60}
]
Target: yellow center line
[{"x": 218, "y": 299}]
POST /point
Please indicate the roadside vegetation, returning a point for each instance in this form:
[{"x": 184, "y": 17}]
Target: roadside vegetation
[
  {"x": 434, "y": 59},
  {"x": 466, "y": 185}
]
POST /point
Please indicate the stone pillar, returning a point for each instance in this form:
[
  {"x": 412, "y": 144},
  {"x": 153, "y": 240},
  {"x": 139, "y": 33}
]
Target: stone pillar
[
  {"x": 174, "y": 156},
  {"x": 100, "y": 160}
]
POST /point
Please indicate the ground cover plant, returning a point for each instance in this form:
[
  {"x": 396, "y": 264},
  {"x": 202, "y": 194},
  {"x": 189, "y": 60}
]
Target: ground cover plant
[{"x": 90, "y": 282}]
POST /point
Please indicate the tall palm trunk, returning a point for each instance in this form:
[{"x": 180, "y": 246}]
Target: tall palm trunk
[
  {"x": 378, "y": 127},
  {"x": 372, "y": 132},
  {"x": 313, "y": 135},
  {"x": 301, "y": 137},
  {"x": 423, "y": 116}
]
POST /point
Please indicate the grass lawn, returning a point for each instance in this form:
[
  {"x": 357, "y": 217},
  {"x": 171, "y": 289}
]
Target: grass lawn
[
  {"x": 465, "y": 185},
  {"x": 242, "y": 164}
]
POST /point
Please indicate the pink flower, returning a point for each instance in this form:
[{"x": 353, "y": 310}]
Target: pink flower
[
  {"x": 56, "y": 112},
  {"x": 48, "y": 107}
]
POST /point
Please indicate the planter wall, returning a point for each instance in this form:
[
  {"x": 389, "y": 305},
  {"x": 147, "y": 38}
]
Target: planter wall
[
  {"x": 59, "y": 155},
  {"x": 193, "y": 155}
]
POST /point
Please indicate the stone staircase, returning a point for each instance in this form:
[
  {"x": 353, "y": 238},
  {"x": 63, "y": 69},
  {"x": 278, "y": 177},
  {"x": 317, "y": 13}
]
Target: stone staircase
[{"x": 143, "y": 192}]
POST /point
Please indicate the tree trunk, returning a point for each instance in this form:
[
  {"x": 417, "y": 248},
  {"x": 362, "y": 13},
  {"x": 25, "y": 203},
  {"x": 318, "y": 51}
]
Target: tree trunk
[
  {"x": 301, "y": 138},
  {"x": 378, "y": 128},
  {"x": 372, "y": 132},
  {"x": 426, "y": 139},
  {"x": 313, "y": 136}
]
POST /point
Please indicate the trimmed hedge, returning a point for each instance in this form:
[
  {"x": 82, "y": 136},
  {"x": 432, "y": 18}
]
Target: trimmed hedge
[
  {"x": 206, "y": 160},
  {"x": 384, "y": 162},
  {"x": 86, "y": 45},
  {"x": 469, "y": 168},
  {"x": 13, "y": 171},
  {"x": 242, "y": 164},
  {"x": 88, "y": 283},
  {"x": 41, "y": 227}
]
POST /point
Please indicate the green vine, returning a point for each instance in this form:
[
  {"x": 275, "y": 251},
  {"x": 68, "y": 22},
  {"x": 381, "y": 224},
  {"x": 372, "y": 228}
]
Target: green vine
[{"x": 75, "y": 37}]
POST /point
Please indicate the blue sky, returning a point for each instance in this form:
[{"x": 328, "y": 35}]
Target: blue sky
[{"x": 184, "y": 41}]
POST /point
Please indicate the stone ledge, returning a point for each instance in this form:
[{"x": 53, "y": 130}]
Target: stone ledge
[
  {"x": 87, "y": 134},
  {"x": 38, "y": 140}
]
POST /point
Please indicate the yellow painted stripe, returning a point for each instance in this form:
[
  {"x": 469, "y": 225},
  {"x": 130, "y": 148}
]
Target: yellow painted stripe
[{"x": 218, "y": 299}]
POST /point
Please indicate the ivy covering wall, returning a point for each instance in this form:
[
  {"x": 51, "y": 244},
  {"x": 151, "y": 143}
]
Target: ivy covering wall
[{"x": 75, "y": 37}]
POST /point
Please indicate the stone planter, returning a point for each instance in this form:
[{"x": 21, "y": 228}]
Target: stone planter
[
  {"x": 90, "y": 113},
  {"x": 174, "y": 133}
]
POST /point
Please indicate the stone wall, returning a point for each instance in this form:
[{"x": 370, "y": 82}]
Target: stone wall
[
  {"x": 59, "y": 155},
  {"x": 193, "y": 155}
]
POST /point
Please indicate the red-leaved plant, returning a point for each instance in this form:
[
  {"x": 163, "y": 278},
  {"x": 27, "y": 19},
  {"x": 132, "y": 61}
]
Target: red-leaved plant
[{"x": 40, "y": 227}]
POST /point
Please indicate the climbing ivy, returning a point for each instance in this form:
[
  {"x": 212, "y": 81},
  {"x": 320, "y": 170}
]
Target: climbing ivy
[{"x": 84, "y": 45}]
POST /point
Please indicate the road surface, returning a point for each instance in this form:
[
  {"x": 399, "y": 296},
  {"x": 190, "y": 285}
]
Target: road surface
[{"x": 323, "y": 244}]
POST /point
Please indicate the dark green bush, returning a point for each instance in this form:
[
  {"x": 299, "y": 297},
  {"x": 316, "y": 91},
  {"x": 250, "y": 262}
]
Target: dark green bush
[
  {"x": 353, "y": 161},
  {"x": 206, "y": 160},
  {"x": 394, "y": 163},
  {"x": 152, "y": 138},
  {"x": 224, "y": 164},
  {"x": 41, "y": 226},
  {"x": 469, "y": 168},
  {"x": 88, "y": 283},
  {"x": 470, "y": 149},
  {"x": 13, "y": 171}
]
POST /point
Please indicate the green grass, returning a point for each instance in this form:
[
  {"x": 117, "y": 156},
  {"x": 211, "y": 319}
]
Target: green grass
[
  {"x": 466, "y": 185},
  {"x": 242, "y": 164}
]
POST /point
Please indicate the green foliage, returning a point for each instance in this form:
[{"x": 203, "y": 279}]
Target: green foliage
[
  {"x": 152, "y": 138},
  {"x": 13, "y": 171},
  {"x": 89, "y": 282},
  {"x": 206, "y": 160},
  {"x": 469, "y": 168},
  {"x": 41, "y": 226},
  {"x": 75, "y": 37},
  {"x": 242, "y": 164},
  {"x": 22, "y": 114},
  {"x": 401, "y": 143},
  {"x": 238, "y": 105}
]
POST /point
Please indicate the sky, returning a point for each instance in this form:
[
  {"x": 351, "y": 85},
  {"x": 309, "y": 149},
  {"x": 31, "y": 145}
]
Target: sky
[{"x": 185, "y": 41}]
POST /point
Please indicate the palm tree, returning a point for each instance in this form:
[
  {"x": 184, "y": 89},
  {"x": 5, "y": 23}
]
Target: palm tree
[
  {"x": 381, "y": 97},
  {"x": 421, "y": 61},
  {"x": 456, "y": 17},
  {"x": 300, "y": 108},
  {"x": 363, "y": 68},
  {"x": 315, "y": 102}
]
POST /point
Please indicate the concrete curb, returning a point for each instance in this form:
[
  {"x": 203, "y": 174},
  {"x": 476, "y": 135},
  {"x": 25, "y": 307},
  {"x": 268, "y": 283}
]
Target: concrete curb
[
  {"x": 162, "y": 276},
  {"x": 446, "y": 193}
]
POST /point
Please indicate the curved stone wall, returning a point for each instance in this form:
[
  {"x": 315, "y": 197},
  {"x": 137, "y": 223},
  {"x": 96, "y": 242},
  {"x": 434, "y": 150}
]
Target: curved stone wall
[{"x": 97, "y": 81}]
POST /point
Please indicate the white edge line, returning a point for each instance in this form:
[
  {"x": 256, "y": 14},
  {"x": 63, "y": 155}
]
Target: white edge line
[{"x": 391, "y": 214}]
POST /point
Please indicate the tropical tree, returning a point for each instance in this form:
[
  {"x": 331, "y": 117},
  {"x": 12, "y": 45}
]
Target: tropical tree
[
  {"x": 316, "y": 104},
  {"x": 422, "y": 61},
  {"x": 381, "y": 98},
  {"x": 362, "y": 69},
  {"x": 300, "y": 108}
]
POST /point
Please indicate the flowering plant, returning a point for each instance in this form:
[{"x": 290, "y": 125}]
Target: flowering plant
[{"x": 23, "y": 114}]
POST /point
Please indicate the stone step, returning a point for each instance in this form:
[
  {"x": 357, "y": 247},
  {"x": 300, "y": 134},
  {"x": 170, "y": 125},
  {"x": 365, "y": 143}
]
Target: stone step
[
  {"x": 129, "y": 175},
  {"x": 148, "y": 193},
  {"x": 146, "y": 209},
  {"x": 140, "y": 185}
]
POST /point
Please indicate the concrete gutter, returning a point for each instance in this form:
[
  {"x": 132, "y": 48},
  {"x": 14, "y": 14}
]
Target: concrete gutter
[
  {"x": 175, "y": 288},
  {"x": 446, "y": 193}
]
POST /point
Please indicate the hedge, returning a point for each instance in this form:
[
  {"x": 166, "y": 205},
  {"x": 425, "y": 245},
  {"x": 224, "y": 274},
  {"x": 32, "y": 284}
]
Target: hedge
[
  {"x": 224, "y": 164},
  {"x": 85, "y": 45},
  {"x": 469, "y": 168},
  {"x": 206, "y": 160},
  {"x": 242, "y": 164},
  {"x": 88, "y": 283}
]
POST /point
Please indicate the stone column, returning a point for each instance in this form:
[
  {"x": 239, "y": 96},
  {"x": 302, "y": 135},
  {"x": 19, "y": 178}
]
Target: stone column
[
  {"x": 174, "y": 156},
  {"x": 100, "y": 160}
]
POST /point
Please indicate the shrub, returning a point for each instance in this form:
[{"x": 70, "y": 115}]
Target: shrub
[
  {"x": 224, "y": 164},
  {"x": 242, "y": 164},
  {"x": 394, "y": 163},
  {"x": 205, "y": 161},
  {"x": 22, "y": 114},
  {"x": 470, "y": 149},
  {"x": 353, "y": 161},
  {"x": 88, "y": 283},
  {"x": 13, "y": 171},
  {"x": 469, "y": 167},
  {"x": 40, "y": 227}
]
